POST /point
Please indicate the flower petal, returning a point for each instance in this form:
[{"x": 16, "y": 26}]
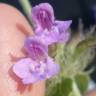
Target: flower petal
[
  {"x": 48, "y": 38},
  {"x": 43, "y": 15},
  {"x": 31, "y": 79},
  {"x": 21, "y": 68},
  {"x": 38, "y": 74},
  {"x": 64, "y": 37},
  {"x": 52, "y": 68},
  {"x": 63, "y": 25},
  {"x": 36, "y": 49}
]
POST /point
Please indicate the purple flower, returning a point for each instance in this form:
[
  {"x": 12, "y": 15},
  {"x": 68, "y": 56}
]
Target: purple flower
[
  {"x": 38, "y": 65},
  {"x": 45, "y": 23}
]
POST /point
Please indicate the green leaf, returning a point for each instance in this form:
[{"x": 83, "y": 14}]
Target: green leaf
[
  {"x": 82, "y": 46},
  {"x": 66, "y": 86},
  {"x": 87, "y": 43},
  {"x": 62, "y": 88},
  {"x": 82, "y": 82}
]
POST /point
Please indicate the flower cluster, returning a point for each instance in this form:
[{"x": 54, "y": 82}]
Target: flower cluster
[{"x": 39, "y": 65}]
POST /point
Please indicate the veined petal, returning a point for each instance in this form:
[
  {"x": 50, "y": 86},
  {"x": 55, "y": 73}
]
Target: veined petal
[
  {"x": 43, "y": 15},
  {"x": 35, "y": 48}
]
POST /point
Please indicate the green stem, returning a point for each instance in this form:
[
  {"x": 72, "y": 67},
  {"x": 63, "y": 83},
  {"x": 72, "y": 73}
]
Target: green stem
[{"x": 27, "y": 9}]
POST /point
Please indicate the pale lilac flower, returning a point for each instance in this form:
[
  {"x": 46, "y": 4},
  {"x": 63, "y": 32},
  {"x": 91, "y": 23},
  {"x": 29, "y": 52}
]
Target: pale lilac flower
[
  {"x": 38, "y": 66},
  {"x": 44, "y": 20}
]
